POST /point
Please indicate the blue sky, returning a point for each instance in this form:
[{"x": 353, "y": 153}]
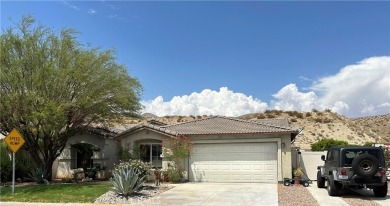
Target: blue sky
[{"x": 231, "y": 58}]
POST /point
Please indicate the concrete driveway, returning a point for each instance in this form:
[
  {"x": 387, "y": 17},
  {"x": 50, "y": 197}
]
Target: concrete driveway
[
  {"x": 323, "y": 199},
  {"x": 370, "y": 194},
  {"x": 207, "y": 194}
]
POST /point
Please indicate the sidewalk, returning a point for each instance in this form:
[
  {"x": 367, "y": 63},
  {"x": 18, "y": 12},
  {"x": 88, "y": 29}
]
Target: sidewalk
[
  {"x": 322, "y": 197},
  {"x": 56, "y": 204}
]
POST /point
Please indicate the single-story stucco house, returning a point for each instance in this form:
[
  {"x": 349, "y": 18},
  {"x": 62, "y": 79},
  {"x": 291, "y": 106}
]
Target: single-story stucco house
[{"x": 225, "y": 149}]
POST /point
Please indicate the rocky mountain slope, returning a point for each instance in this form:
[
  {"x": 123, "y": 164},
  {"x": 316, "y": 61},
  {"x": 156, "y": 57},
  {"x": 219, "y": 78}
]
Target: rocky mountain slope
[{"x": 317, "y": 125}]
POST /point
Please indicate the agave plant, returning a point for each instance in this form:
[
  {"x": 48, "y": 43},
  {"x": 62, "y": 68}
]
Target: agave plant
[{"x": 127, "y": 180}]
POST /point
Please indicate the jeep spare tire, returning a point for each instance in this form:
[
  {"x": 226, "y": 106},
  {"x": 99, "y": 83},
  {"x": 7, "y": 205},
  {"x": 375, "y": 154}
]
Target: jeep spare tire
[{"x": 365, "y": 165}]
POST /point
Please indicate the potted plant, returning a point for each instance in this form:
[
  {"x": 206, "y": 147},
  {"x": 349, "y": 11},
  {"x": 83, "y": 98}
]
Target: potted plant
[{"x": 297, "y": 175}]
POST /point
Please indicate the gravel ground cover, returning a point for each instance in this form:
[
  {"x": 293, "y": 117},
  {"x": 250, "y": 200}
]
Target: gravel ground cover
[
  {"x": 353, "y": 198},
  {"x": 147, "y": 192},
  {"x": 295, "y": 195}
]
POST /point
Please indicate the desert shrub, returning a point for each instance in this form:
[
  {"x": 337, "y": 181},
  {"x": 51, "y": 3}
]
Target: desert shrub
[
  {"x": 277, "y": 112},
  {"x": 175, "y": 175},
  {"x": 294, "y": 120},
  {"x": 142, "y": 167},
  {"x": 299, "y": 115},
  {"x": 326, "y": 120},
  {"x": 290, "y": 113},
  {"x": 261, "y": 116},
  {"x": 369, "y": 143},
  {"x": 270, "y": 116},
  {"x": 325, "y": 143},
  {"x": 126, "y": 179},
  {"x": 318, "y": 120},
  {"x": 37, "y": 175}
]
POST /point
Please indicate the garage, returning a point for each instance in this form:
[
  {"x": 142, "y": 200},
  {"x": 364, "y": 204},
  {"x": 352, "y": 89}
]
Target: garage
[{"x": 234, "y": 162}]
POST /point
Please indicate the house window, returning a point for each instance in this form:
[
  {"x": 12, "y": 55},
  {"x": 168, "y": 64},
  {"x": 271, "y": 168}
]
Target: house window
[
  {"x": 81, "y": 155},
  {"x": 151, "y": 153}
]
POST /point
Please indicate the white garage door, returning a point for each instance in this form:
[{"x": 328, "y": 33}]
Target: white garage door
[{"x": 234, "y": 162}]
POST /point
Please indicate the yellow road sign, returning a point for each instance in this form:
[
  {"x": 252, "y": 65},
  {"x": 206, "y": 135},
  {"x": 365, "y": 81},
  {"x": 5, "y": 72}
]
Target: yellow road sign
[{"x": 14, "y": 140}]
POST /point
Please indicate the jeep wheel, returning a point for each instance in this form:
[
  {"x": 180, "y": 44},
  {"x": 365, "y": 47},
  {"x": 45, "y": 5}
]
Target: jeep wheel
[
  {"x": 333, "y": 187},
  {"x": 381, "y": 191},
  {"x": 365, "y": 165},
  {"x": 320, "y": 180}
]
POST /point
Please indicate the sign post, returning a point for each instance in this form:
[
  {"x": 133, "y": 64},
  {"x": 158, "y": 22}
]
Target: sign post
[{"x": 14, "y": 141}]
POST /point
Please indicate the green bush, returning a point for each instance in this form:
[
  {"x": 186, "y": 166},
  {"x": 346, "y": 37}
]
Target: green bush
[
  {"x": 124, "y": 154},
  {"x": 325, "y": 143},
  {"x": 127, "y": 179},
  {"x": 175, "y": 175},
  {"x": 23, "y": 164},
  {"x": 142, "y": 167},
  {"x": 369, "y": 143}
]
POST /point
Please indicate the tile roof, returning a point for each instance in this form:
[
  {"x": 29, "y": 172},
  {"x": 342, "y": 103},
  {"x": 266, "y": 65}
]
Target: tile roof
[
  {"x": 146, "y": 125},
  {"x": 228, "y": 125}
]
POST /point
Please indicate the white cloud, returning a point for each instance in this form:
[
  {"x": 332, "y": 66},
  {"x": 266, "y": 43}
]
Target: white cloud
[
  {"x": 360, "y": 89},
  {"x": 289, "y": 98},
  {"x": 208, "y": 102},
  {"x": 364, "y": 87},
  {"x": 92, "y": 11},
  {"x": 71, "y": 5},
  {"x": 356, "y": 90}
]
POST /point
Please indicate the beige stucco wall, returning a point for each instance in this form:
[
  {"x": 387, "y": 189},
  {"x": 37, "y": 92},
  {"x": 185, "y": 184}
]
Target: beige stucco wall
[
  {"x": 143, "y": 136},
  {"x": 284, "y": 154},
  {"x": 309, "y": 161},
  {"x": 107, "y": 156}
]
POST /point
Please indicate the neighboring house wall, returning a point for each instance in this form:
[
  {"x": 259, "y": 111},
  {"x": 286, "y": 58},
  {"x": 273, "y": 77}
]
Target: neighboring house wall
[
  {"x": 107, "y": 156},
  {"x": 309, "y": 161}
]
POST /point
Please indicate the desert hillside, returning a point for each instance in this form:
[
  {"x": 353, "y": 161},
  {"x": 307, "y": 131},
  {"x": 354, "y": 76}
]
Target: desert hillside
[{"x": 316, "y": 125}]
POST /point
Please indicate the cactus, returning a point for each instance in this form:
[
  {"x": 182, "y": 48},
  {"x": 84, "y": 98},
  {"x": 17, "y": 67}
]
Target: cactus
[{"x": 127, "y": 180}]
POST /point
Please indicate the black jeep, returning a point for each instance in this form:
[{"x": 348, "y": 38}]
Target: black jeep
[{"x": 354, "y": 168}]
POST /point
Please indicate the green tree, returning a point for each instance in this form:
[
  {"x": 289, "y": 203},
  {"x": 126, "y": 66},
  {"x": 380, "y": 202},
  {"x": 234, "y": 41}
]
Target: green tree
[
  {"x": 325, "y": 143},
  {"x": 51, "y": 87}
]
